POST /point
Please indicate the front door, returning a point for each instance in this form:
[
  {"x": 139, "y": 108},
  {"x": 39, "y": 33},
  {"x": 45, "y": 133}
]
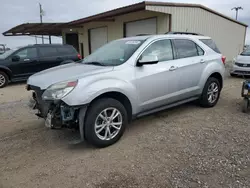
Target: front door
[
  {"x": 157, "y": 84},
  {"x": 25, "y": 64}
]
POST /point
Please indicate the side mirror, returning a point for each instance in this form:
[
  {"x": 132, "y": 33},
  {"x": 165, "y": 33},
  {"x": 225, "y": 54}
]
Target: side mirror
[
  {"x": 148, "y": 60},
  {"x": 15, "y": 58}
]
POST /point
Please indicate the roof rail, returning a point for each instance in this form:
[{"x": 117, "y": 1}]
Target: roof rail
[
  {"x": 181, "y": 33},
  {"x": 143, "y": 34}
]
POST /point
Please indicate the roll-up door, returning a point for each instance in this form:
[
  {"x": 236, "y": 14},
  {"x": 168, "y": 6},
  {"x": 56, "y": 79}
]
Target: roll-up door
[
  {"x": 98, "y": 37},
  {"x": 147, "y": 26}
]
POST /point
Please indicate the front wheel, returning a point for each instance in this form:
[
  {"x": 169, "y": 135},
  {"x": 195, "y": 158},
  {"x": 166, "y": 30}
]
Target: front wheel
[
  {"x": 105, "y": 123},
  {"x": 211, "y": 93},
  {"x": 3, "y": 79}
]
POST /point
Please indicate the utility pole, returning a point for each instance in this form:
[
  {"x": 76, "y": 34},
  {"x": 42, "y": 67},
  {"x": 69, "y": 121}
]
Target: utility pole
[
  {"x": 237, "y": 9},
  {"x": 41, "y": 17}
]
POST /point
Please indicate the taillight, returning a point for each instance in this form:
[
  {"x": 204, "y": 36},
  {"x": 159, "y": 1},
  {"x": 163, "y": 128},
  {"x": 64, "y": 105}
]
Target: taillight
[
  {"x": 79, "y": 56},
  {"x": 223, "y": 58}
]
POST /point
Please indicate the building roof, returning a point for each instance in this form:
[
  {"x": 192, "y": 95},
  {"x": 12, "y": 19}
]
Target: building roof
[
  {"x": 54, "y": 29},
  {"x": 142, "y": 6}
]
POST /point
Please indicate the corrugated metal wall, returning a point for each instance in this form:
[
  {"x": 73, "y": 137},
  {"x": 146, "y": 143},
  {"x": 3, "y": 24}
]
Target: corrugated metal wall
[{"x": 229, "y": 36}]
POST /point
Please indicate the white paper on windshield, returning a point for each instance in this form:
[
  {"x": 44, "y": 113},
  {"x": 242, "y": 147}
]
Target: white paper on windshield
[{"x": 135, "y": 42}]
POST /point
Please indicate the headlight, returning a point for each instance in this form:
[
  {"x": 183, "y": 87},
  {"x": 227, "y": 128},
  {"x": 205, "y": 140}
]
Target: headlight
[{"x": 59, "y": 90}]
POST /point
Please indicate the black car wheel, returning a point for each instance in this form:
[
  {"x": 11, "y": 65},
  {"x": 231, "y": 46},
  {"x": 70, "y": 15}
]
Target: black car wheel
[
  {"x": 233, "y": 75},
  {"x": 211, "y": 93},
  {"x": 245, "y": 104},
  {"x": 3, "y": 79},
  {"x": 106, "y": 120}
]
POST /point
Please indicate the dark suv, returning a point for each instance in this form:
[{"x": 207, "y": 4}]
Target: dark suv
[{"x": 20, "y": 63}]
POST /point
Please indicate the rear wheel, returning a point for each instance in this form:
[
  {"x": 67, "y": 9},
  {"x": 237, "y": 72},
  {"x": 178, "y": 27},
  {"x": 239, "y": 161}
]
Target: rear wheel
[
  {"x": 211, "y": 93},
  {"x": 105, "y": 123},
  {"x": 3, "y": 79},
  {"x": 245, "y": 104}
]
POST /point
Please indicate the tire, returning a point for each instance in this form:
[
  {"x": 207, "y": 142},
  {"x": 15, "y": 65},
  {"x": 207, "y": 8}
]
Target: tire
[
  {"x": 4, "y": 79},
  {"x": 245, "y": 104},
  {"x": 93, "y": 119},
  {"x": 233, "y": 75},
  {"x": 204, "y": 99}
]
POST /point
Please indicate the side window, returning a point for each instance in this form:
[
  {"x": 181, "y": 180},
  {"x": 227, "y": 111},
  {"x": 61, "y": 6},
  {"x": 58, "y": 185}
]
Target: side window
[
  {"x": 63, "y": 50},
  {"x": 200, "y": 50},
  {"x": 27, "y": 53},
  {"x": 185, "y": 48},
  {"x": 162, "y": 49},
  {"x": 48, "y": 51}
]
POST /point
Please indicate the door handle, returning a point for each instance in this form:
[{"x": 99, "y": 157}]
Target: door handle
[
  {"x": 26, "y": 60},
  {"x": 172, "y": 68},
  {"x": 202, "y": 61}
]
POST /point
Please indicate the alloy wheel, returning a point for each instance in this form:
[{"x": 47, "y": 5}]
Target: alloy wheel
[
  {"x": 108, "y": 124},
  {"x": 2, "y": 80},
  {"x": 213, "y": 92}
]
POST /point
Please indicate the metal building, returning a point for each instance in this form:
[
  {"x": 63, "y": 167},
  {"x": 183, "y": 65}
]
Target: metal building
[
  {"x": 158, "y": 18},
  {"x": 88, "y": 34}
]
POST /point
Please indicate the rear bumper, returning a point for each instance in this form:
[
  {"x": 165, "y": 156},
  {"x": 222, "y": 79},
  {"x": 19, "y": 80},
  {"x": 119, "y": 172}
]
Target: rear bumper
[{"x": 240, "y": 70}]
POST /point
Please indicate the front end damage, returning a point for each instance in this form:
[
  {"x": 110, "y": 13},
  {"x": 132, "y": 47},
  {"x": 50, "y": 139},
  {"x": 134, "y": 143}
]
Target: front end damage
[{"x": 56, "y": 113}]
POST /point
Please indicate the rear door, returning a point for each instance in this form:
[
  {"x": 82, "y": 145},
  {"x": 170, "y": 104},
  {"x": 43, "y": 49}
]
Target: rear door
[
  {"x": 49, "y": 57},
  {"x": 190, "y": 63}
]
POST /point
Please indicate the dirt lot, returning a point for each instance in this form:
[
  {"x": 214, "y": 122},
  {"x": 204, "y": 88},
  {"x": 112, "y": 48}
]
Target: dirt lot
[{"x": 187, "y": 146}]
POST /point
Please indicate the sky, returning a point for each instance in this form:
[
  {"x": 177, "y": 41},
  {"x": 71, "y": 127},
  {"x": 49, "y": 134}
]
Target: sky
[{"x": 15, "y": 12}]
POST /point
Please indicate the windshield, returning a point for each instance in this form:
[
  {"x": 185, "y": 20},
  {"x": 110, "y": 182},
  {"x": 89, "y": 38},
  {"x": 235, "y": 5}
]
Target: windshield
[
  {"x": 246, "y": 52},
  {"x": 114, "y": 53},
  {"x": 7, "y": 53}
]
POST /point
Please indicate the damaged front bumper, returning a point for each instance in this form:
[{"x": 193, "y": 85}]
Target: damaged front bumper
[{"x": 56, "y": 113}]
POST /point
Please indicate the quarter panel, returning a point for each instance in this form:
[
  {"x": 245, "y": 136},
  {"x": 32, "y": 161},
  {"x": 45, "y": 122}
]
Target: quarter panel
[{"x": 213, "y": 66}]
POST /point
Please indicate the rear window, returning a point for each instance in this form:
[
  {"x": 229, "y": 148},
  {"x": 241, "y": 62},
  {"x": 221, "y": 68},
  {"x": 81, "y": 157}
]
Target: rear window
[
  {"x": 211, "y": 44},
  {"x": 48, "y": 51},
  {"x": 66, "y": 50},
  {"x": 246, "y": 52}
]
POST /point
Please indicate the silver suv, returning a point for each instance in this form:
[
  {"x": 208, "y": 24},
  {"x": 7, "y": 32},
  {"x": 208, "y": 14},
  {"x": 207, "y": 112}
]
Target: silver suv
[{"x": 125, "y": 79}]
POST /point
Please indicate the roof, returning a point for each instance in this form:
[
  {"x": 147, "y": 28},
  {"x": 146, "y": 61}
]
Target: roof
[
  {"x": 170, "y": 36},
  {"x": 142, "y": 6},
  {"x": 54, "y": 29}
]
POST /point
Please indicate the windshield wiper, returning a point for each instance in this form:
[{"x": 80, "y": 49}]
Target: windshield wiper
[{"x": 94, "y": 63}]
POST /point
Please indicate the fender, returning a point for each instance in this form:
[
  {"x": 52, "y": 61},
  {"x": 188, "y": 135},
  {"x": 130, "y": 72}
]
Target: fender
[
  {"x": 87, "y": 92},
  {"x": 7, "y": 70},
  {"x": 209, "y": 70}
]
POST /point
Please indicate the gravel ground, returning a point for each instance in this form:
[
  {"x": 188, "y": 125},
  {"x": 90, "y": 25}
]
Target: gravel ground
[{"x": 183, "y": 147}]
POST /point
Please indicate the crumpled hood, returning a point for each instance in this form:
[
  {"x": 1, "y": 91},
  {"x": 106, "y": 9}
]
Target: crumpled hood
[
  {"x": 65, "y": 72},
  {"x": 243, "y": 59}
]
